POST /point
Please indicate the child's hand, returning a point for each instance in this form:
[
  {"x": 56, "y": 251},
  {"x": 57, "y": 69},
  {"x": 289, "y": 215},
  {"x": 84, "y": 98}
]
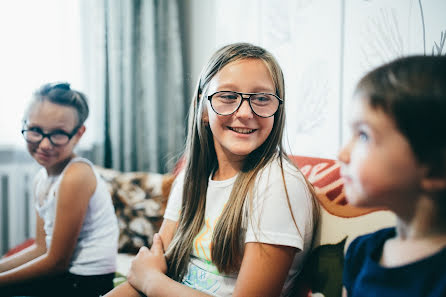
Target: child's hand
[{"x": 147, "y": 266}]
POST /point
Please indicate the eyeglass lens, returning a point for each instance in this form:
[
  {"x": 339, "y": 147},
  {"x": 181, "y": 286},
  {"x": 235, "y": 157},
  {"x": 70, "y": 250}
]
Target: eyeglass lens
[
  {"x": 34, "y": 136},
  {"x": 225, "y": 103}
]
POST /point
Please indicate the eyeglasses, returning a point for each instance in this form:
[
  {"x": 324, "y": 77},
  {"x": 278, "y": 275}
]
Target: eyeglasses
[
  {"x": 264, "y": 105},
  {"x": 57, "y": 138}
]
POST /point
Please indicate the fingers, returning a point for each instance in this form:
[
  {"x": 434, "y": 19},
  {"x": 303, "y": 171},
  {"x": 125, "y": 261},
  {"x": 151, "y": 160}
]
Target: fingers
[
  {"x": 157, "y": 245},
  {"x": 143, "y": 249}
]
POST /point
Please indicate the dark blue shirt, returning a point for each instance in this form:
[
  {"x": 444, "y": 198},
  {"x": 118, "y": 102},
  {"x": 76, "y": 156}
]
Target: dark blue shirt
[{"x": 363, "y": 276}]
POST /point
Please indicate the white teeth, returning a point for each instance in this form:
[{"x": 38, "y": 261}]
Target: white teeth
[{"x": 242, "y": 130}]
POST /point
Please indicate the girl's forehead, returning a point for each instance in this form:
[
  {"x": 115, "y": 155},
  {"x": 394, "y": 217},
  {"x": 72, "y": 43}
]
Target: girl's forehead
[
  {"x": 252, "y": 74},
  {"x": 48, "y": 115}
]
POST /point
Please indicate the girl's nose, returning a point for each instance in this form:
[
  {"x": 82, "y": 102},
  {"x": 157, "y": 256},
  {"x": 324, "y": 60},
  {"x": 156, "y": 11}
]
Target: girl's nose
[
  {"x": 245, "y": 110},
  {"x": 45, "y": 143},
  {"x": 344, "y": 153}
]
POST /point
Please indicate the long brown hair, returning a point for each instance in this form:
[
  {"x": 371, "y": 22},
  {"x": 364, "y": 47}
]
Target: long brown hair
[{"x": 201, "y": 161}]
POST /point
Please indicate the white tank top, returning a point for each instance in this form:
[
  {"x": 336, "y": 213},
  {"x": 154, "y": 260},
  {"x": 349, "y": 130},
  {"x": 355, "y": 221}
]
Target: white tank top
[{"x": 97, "y": 245}]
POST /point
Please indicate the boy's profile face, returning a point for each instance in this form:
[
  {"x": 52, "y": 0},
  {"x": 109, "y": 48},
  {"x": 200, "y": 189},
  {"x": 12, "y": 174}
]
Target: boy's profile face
[{"x": 378, "y": 165}]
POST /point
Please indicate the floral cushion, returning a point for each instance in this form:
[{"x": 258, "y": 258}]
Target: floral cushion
[{"x": 139, "y": 199}]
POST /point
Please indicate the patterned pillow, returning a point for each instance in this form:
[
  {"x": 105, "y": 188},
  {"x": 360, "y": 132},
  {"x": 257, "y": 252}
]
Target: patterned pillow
[{"x": 139, "y": 199}]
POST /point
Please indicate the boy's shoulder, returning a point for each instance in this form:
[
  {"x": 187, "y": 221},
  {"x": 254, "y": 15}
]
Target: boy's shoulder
[
  {"x": 378, "y": 235},
  {"x": 363, "y": 273},
  {"x": 367, "y": 243}
]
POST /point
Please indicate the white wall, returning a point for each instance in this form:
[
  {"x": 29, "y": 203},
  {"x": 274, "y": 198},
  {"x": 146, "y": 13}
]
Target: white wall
[
  {"x": 40, "y": 44},
  {"x": 323, "y": 46}
]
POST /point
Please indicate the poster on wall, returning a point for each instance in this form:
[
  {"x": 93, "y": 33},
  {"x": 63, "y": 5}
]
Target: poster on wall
[
  {"x": 378, "y": 31},
  {"x": 304, "y": 36},
  {"x": 324, "y": 47}
]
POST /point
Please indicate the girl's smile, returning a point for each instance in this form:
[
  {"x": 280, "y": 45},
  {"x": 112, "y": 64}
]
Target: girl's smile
[
  {"x": 242, "y": 130},
  {"x": 42, "y": 155}
]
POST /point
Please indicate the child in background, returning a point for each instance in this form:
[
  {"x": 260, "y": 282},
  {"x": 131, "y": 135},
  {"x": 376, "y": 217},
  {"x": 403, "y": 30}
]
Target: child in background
[
  {"x": 240, "y": 216},
  {"x": 75, "y": 250},
  {"x": 397, "y": 159}
]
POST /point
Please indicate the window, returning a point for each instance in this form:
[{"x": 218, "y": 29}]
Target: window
[{"x": 40, "y": 43}]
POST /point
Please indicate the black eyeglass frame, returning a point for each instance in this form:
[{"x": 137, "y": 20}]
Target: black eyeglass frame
[
  {"x": 48, "y": 135},
  {"x": 243, "y": 99}
]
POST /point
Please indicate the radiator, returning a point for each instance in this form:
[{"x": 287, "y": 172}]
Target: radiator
[{"x": 17, "y": 214}]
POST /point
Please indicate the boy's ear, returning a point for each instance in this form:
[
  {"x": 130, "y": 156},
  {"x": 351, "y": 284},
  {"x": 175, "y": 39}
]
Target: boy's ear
[
  {"x": 434, "y": 179},
  {"x": 434, "y": 184}
]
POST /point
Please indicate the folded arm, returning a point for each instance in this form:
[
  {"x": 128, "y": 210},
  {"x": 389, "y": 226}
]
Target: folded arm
[
  {"x": 263, "y": 272},
  {"x": 38, "y": 248},
  {"x": 77, "y": 186}
]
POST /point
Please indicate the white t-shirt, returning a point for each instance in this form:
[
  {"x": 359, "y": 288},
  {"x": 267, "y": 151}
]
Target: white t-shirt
[
  {"x": 270, "y": 222},
  {"x": 97, "y": 245}
]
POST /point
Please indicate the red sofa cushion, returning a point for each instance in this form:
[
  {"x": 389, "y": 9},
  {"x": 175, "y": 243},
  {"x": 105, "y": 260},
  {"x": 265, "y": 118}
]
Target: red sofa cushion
[
  {"x": 19, "y": 247},
  {"x": 325, "y": 176}
]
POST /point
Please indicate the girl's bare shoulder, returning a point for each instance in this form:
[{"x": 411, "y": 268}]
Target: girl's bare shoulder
[{"x": 78, "y": 176}]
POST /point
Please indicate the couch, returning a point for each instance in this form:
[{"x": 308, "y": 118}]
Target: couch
[{"x": 140, "y": 199}]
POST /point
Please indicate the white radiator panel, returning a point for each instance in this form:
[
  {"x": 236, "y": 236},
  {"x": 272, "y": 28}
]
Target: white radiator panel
[{"x": 17, "y": 214}]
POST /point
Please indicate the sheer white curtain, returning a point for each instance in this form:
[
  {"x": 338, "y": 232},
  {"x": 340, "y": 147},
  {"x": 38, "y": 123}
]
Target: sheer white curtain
[{"x": 40, "y": 43}]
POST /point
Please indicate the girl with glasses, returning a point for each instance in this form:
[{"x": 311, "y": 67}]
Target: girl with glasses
[
  {"x": 74, "y": 253},
  {"x": 240, "y": 216}
]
